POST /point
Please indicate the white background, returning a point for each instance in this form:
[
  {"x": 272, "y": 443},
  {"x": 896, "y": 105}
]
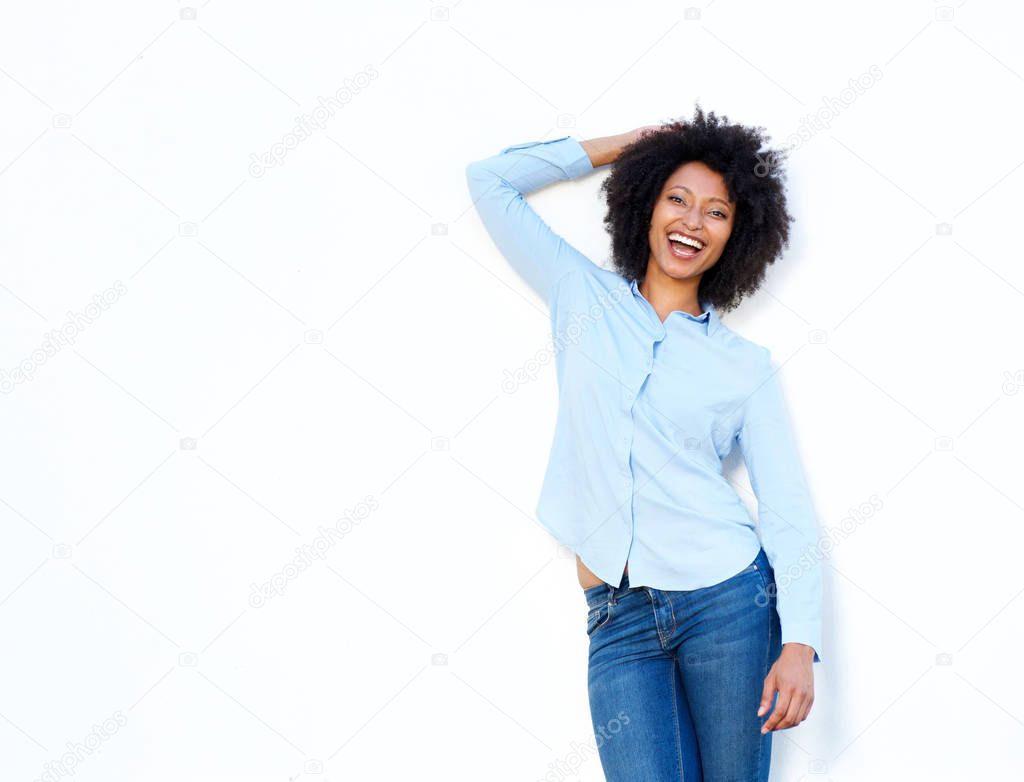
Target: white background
[{"x": 329, "y": 337}]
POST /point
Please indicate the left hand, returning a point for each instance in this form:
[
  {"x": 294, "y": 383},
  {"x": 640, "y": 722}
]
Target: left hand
[{"x": 792, "y": 675}]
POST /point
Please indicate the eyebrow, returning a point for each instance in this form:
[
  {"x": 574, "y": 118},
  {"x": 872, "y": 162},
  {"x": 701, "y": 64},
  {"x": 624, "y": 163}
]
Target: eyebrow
[{"x": 688, "y": 190}]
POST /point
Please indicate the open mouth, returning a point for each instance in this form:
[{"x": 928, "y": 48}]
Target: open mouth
[{"x": 680, "y": 249}]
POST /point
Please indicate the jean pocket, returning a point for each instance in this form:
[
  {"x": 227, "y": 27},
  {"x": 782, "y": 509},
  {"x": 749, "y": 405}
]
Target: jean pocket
[
  {"x": 767, "y": 592},
  {"x": 760, "y": 563},
  {"x": 598, "y": 616}
]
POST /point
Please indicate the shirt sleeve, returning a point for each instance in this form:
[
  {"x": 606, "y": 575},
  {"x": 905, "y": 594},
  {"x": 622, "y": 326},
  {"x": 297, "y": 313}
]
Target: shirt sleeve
[
  {"x": 498, "y": 185},
  {"x": 786, "y": 518}
]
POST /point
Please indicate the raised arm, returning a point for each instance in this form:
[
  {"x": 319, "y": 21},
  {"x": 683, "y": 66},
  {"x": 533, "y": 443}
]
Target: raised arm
[
  {"x": 498, "y": 186},
  {"x": 784, "y": 509}
]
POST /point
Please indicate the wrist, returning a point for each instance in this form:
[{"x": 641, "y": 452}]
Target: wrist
[
  {"x": 799, "y": 649},
  {"x": 605, "y": 149}
]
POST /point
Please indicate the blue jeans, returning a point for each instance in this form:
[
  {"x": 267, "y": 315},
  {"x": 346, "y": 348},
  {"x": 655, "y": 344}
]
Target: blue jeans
[{"x": 675, "y": 678}]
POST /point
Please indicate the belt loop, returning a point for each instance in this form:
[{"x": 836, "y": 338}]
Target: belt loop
[{"x": 616, "y": 591}]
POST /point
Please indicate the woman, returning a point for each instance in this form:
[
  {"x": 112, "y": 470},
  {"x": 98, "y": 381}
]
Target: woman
[{"x": 697, "y": 652}]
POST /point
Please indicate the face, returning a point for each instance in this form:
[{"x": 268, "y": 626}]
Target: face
[{"x": 695, "y": 203}]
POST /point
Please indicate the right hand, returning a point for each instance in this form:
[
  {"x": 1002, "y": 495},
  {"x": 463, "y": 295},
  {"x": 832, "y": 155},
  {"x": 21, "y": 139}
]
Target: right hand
[
  {"x": 606, "y": 149},
  {"x": 641, "y": 131}
]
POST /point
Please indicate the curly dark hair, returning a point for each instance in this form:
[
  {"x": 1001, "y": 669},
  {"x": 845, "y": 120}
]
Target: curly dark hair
[{"x": 753, "y": 177}]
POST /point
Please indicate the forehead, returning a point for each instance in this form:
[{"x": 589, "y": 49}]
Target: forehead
[{"x": 699, "y": 179}]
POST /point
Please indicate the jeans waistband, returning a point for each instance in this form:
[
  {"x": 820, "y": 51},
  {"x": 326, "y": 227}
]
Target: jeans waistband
[{"x": 610, "y": 590}]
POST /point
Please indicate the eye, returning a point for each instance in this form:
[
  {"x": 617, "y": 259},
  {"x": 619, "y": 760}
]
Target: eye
[
  {"x": 720, "y": 212},
  {"x": 677, "y": 198}
]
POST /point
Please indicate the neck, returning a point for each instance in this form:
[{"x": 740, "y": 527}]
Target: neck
[{"x": 667, "y": 293}]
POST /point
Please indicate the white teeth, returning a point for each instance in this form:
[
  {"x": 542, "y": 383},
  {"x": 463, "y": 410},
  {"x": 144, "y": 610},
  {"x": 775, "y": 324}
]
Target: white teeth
[{"x": 686, "y": 240}]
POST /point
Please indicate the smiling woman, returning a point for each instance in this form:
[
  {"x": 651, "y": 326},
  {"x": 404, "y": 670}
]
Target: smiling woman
[
  {"x": 706, "y": 178},
  {"x": 690, "y": 226},
  {"x": 688, "y": 632}
]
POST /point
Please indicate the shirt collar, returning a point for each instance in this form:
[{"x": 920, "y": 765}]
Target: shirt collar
[{"x": 709, "y": 316}]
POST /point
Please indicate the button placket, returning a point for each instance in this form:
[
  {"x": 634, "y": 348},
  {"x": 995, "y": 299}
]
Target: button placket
[{"x": 646, "y": 366}]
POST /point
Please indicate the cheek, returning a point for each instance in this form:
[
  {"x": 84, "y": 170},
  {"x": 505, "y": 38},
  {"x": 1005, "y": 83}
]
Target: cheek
[
  {"x": 721, "y": 240},
  {"x": 657, "y": 227}
]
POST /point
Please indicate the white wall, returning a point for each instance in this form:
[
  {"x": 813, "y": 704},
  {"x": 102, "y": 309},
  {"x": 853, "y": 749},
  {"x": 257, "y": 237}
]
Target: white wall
[{"x": 285, "y": 348}]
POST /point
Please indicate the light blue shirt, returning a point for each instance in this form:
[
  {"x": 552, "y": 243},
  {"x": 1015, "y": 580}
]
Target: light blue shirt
[{"x": 647, "y": 411}]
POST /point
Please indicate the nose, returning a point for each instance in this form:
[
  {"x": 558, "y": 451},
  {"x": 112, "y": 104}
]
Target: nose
[{"x": 692, "y": 218}]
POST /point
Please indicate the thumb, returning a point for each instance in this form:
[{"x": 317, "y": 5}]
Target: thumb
[{"x": 767, "y": 692}]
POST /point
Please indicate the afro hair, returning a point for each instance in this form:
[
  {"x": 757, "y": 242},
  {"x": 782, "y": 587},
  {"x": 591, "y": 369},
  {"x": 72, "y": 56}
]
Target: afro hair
[{"x": 753, "y": 177}]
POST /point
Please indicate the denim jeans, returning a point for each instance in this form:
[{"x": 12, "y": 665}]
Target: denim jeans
[{"x": 675, "y": 678}]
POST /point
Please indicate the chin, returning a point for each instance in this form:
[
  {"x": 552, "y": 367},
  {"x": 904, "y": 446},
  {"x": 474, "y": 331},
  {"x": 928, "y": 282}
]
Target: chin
[{"x": 679, "y": 270}]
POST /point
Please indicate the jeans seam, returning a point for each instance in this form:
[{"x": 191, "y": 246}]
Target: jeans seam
[
  {"x": 765, "y": 667},
  {"x": 662, "y": 640},
  {"x": 672, "y": 611},
  {"x": 675, "y": 674}
]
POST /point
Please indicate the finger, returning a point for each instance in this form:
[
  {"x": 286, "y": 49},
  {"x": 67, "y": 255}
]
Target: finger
[
  {"x": 808, "y": 702},
  {"x": 796, "y": 705},
  {"x": 778, "y": 715},
  {"x": 766, "y": 694},
  {"x": 781, "y": 707}
]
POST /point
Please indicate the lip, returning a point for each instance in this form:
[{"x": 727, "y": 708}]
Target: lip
[{"x": 681, "y": 256}]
